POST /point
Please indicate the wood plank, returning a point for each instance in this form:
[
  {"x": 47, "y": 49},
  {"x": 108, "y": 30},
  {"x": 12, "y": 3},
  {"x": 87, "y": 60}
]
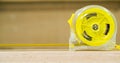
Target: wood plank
[
  {"x": 55, "y": 0},
  {"x": 59, "y": 56}
]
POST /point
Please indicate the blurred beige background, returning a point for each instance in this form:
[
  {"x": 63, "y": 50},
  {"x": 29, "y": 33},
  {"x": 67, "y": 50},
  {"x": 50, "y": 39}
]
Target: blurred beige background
[{"x": 45, "y": 21}]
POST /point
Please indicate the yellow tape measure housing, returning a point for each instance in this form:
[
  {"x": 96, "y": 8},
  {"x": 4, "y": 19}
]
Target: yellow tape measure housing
[{"x": 93, "y": 25}]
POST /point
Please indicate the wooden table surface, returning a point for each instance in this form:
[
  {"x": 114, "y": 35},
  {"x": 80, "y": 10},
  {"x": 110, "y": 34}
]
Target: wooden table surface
[{"x": 38, "y": 56}]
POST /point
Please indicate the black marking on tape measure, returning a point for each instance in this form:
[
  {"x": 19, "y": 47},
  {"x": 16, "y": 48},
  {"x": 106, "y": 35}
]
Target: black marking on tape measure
[
  {"x": 107, "y": 29},
  {"x": 91, "y": 15},
  {"x": 85, "y": 35}
]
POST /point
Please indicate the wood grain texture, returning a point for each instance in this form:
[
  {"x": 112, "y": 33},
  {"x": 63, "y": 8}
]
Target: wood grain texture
[
  {"x": 54, "y": 0},
  {"x": 59, "y": 56}
]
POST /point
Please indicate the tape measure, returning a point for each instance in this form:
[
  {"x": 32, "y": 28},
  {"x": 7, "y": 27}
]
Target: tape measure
[{"x": 93, "y": 25}]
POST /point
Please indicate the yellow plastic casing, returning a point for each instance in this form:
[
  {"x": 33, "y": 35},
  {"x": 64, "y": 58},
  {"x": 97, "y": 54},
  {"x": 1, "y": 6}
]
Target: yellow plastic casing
[{"x": 81, "y": 23}]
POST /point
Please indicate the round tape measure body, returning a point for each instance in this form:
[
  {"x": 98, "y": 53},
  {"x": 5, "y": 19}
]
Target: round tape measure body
[{"x": 93, "y": 25}]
